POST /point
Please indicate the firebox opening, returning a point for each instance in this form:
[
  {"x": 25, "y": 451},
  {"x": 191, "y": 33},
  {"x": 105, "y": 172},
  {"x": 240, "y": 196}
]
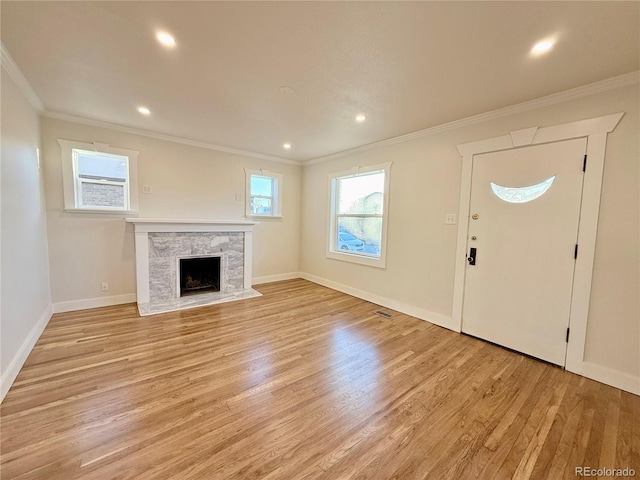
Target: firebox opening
[{"x": 198, "y": 275}]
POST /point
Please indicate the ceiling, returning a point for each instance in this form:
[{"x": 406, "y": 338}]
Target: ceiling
[{"x": 406, "y": 65}]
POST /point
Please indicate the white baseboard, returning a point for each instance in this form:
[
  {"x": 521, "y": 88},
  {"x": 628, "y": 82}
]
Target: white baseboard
[
  {"x": 12, "y": 371},
  {"x": 422, "y": 314},
  {"x": 74, "y": 305},
  {"x": 276, "y": 278},
  {"x": 615, "y": 378}
]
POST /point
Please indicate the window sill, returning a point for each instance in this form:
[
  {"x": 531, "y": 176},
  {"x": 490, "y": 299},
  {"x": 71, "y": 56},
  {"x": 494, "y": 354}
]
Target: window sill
[
  {"x": 101, "y": 212},
  {"x": 359, "y": 259},
  {"x": 264, "y": 216}
]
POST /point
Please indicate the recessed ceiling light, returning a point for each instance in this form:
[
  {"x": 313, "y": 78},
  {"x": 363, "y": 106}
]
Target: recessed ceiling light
[
  {"x": 285, "y": 90},
  {"x": 166, "y": 39},
  {"x": 542, "y": 47},
  {"x": 286, "y": 146},
  {"x": 360, "y": 118},
  {"x": 144, "y": 110}
]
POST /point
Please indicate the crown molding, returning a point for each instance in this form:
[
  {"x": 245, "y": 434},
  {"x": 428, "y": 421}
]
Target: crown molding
[
  {"x": 11, "y": 67},
  {"x": 162, "y": 136},
  {"x": 572, "y": 94}
]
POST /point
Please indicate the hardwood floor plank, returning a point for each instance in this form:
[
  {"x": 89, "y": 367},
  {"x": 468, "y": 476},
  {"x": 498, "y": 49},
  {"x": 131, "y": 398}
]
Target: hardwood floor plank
[
  {"x": 610, "y": 433},
  {"x": 553, "y": 460},
  {"x": 634, "y": 456},
  {"x": 302, "y": 383}
]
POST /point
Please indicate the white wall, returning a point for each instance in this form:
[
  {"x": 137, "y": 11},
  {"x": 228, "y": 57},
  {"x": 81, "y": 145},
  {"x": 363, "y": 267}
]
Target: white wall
[
  {"x": 25, "y": 296},
  {"x": 425, "y": 180},
  {"x": 188, "y": 182}
]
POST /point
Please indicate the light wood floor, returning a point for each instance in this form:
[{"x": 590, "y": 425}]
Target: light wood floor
[{"x": 302, "y": 383}]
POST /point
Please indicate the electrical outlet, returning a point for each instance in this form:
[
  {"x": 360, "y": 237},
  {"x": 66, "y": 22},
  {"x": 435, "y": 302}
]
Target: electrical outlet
[
  {"x": 147, "y": 189},
  {"x": 105, "y": 286},
  {"x": 239, "y": 197},
  {"x": 450, "y": 219}
]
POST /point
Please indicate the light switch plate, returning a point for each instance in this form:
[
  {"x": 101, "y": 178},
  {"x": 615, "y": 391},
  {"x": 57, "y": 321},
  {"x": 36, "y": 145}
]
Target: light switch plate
[{"x": 450, "y": 219}]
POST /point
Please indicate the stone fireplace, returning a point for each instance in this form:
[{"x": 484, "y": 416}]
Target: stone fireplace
[{"x": 190, "y": 263}]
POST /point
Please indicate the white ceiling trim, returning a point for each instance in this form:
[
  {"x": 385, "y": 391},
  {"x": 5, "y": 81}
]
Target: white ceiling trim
[
  {"x": 590, "y": 89},
  {"x": 163, "y": 136},
  {"x": 11, "y": 67}
]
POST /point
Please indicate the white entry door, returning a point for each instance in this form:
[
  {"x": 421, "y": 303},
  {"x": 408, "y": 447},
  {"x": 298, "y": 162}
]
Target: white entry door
[{"x": 523, "y": 229}]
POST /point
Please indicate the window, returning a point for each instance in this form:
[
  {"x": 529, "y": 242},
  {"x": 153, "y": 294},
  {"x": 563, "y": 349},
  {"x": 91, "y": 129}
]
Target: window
[
  {"x": 358, "y": 215},
  {"x": 102, "y": 180},
  {"x": 521, "y": 194},
  {"x": 98, "y": 178},
  {"x": 264, "y": 193}
]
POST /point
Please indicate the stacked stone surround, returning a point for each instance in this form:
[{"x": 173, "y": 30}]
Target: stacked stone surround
[{"x": 165, "y": 248}]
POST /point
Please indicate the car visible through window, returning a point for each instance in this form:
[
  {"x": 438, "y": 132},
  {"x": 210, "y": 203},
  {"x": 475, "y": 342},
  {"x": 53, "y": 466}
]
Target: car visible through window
[{"x": 346, "y": 241}]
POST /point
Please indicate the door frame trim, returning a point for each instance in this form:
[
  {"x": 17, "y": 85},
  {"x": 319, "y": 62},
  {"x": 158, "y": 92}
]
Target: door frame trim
[{"x": 595, "y": 130}]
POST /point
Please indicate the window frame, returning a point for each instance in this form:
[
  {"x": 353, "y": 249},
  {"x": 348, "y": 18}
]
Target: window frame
[
  {"x": 72, "y": 181},
  {"x": 276, "y": 193},
  {"x": 349, "y": 256}
]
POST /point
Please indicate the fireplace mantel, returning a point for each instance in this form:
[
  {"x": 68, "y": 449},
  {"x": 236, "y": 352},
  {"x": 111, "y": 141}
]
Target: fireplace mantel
[
  {"x": 146, "y": 225},
  {"x": 147, "y": 230}
]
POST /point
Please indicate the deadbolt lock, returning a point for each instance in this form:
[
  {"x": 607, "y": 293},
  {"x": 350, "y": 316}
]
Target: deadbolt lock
[
  {"x": 472, "y": 256},
  {"x": 475, "y": 216},
  {"x": 474, "y": 237}
]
